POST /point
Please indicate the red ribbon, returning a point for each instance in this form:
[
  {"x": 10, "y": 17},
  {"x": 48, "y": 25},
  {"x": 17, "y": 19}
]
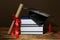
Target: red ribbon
[{"x": 16, "y": 24}]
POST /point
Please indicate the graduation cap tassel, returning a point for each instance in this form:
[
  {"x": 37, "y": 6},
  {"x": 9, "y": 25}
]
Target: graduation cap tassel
[{"x": 49, "y": 28}]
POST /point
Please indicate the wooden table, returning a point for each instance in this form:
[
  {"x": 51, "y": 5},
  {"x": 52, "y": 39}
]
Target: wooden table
[{"x": 48, "y": 36}]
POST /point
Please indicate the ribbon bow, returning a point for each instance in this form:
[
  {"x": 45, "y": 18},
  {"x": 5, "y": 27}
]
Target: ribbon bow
[{"x": 15, "y": 29}]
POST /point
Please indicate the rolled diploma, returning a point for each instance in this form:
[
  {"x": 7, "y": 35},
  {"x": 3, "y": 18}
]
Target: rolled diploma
[{"x": 17, "y": 15}]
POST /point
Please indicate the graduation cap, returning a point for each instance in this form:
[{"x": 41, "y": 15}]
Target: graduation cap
[{"x": 37, "y": 16}]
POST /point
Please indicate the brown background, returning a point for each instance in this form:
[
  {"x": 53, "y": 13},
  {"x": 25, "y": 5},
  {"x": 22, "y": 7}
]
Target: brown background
[{"x": 9, "y": 7}]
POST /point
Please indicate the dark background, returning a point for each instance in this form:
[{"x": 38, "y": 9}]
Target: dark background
[{"x": 9, "y": 7}]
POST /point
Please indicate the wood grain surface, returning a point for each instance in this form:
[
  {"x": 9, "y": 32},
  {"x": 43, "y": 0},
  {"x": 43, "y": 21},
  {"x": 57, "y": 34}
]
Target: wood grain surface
[{"x": 48, "y": 36}]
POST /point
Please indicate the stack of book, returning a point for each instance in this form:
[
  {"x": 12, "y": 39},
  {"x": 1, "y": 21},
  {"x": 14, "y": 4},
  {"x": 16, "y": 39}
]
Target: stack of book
[
  {"x": 35, "y": 23},
  {"x": 28, "y": 26}
]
